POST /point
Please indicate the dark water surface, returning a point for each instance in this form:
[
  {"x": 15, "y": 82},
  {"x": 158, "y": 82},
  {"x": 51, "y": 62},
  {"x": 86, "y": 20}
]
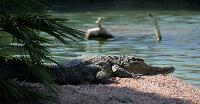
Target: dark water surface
[{"x": 134, "y": 35}]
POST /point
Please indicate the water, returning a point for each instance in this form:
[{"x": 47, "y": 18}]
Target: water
[{"x": 134, "y": 35}]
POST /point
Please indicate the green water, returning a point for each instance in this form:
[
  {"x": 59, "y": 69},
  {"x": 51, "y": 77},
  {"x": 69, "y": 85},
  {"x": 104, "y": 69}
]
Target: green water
[{"x": 134, "y": 35}]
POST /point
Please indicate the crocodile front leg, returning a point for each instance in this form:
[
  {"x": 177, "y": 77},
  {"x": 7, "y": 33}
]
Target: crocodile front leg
[
  {"x": 122, "y": 73},
  {"x": 103, "y": 74},
  {"x": 106, "y": 71}
]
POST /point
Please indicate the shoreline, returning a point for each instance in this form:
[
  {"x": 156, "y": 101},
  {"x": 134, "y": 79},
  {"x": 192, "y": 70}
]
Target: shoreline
[{"x": 156, "y": 89}]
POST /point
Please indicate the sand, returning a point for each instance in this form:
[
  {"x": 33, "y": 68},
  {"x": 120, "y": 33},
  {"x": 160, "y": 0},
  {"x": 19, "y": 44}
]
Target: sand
[{"x": 156, "y": 89}]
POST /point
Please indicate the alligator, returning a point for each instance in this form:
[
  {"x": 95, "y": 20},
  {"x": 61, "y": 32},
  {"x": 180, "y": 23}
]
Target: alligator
[{"x": 90, "y": 69}]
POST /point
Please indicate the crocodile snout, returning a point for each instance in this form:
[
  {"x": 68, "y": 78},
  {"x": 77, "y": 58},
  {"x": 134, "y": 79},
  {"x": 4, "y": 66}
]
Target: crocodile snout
[{"x": 166, "y": 70}]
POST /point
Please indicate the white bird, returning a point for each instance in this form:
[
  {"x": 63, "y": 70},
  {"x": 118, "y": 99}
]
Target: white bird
[
  {"x": 98, "y": 32},
  {"x": 156, "y": 27}
]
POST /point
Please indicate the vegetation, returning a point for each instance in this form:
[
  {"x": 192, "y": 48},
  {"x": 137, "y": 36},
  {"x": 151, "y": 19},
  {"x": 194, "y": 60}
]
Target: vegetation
[{"x": 25, "y": 29}]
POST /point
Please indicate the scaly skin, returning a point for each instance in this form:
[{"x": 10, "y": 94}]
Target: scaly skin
[
  {"x": 96, "y": 68},
  {"x": 87, "y": 69}
]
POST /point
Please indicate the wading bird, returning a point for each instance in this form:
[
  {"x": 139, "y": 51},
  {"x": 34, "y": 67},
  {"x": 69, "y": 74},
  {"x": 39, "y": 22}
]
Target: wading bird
[{"x": 98, "y": 32}]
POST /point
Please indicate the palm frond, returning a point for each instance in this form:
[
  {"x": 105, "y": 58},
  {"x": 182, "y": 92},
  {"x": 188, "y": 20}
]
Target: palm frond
[
  {"x": 48, "y": 25},
  {"x": 26, "y": 30},
  {"x": 13, "y": 67}
]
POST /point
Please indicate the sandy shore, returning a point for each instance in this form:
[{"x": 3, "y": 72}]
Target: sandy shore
[{"x": 157, "y": 89}]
